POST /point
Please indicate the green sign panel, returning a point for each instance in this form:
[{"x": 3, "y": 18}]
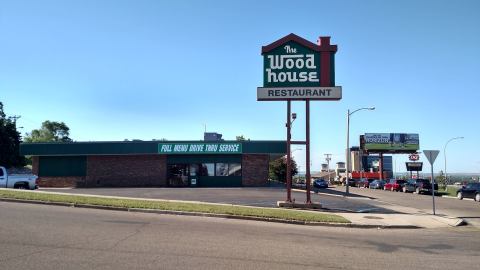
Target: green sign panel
[
  {"x": 291, "y": 65},
  {"x": 200, "y": 148},
  {"x": 391, "y": 142}
]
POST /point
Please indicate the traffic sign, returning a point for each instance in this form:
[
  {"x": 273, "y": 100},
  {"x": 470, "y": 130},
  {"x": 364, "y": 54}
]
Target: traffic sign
[{"x": 431, "y": 155}]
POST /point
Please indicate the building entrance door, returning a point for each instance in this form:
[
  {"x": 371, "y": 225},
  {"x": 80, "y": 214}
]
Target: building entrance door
[{"x": 178, "y": 175}]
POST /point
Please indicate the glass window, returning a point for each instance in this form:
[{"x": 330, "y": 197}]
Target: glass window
[
  {"x": 207, "y": 169},
  {"x": 235, "y": 169},
  {"x": 194, "y": 169},
  {"x": 1, "y": 172},
  {"x": 221, "y": 169}
]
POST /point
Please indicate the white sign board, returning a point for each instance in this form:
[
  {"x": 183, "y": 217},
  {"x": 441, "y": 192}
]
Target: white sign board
[
  {"x": 431, "y": 155},
  {"x": 299, "y": 93}
]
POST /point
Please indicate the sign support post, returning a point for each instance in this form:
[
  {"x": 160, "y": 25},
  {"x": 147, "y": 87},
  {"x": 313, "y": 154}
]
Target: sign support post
[
  {"x": 289, "y": 162},
  {"x": 307, "y": 150},
  {"x": 431, "y": 156}
]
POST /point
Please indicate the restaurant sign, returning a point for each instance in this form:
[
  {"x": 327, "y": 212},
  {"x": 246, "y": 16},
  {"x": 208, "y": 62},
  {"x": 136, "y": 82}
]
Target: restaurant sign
[
  {"x": 297, "y": 69},
  {"x": 200, "y": 148}
]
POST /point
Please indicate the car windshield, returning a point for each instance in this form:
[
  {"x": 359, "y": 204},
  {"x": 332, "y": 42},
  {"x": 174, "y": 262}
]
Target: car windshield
[
  {"x": 423, "y": 181},
  {"x": 400, "y": 181}
]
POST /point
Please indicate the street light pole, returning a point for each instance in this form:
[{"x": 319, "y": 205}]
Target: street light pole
[
  {"x": 445, "y": 158},
  {"x": 348, "y": 144}
]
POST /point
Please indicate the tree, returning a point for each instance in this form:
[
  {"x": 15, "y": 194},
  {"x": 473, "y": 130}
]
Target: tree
[
  {"x": 278, "y": 169},
  {"x": 240, "y": 138},
  {"x": 50, "y": 131},
  {"x": 9, "y": 142},
  {"x": 441, "y": 181}
]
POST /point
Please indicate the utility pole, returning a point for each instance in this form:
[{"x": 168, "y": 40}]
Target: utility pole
[
  {"x": 15, "y": 118},
  {"x": 328, "y": 158}
]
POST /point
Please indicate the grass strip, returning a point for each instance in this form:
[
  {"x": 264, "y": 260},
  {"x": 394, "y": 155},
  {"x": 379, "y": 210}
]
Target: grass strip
[
  {"x": 177, "y": 206},
  {"x": 451, "y": 191}
]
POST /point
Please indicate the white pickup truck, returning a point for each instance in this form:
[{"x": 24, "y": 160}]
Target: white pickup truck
[{"x": 20, "y": 181}]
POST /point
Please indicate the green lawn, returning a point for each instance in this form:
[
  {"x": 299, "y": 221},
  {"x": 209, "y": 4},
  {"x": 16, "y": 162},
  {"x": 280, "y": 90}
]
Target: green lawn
[
  {"x": 451, "y": 191},
  {"x": 285, "y": 214}
]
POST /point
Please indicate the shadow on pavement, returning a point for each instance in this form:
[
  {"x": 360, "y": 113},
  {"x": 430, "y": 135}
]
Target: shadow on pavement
[{"x": 333, "y": 191}]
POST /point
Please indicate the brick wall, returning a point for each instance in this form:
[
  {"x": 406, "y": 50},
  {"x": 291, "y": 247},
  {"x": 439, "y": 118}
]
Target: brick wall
[
  {"x": 126, "y": 171},
  {"x": 61, "y": 181},
  {"x": 254, "y": 170},
  {"x": 35, "y": 163}
]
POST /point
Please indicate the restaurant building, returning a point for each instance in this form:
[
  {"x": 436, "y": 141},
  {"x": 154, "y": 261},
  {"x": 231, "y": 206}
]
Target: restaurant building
[{"x": 153, "y": 163}]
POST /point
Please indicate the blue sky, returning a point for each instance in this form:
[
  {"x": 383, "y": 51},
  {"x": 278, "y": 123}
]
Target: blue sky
[{"x": 113, "y": 70}]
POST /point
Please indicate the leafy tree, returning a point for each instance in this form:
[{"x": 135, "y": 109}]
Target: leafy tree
[
  {"x": 50, "y": 131},
  {"x": 278, "y": 169},
  {"x": 240, "y": 138},
  {"x": 9, "y": 142},
  {"x": 441, "y": 181}
]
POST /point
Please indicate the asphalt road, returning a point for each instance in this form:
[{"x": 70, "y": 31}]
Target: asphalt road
[
  {"x": 467, "y": 209},
  {"x": 54, "y": 237},
  {"x": 265, "y": 197}
]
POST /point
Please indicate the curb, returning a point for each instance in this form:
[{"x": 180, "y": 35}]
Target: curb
[
  {"x": 452, "y": 197},
  {"x": 182, "y": 213}
]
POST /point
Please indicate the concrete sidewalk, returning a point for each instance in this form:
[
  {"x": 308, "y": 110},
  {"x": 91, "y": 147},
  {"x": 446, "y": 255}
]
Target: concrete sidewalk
[{"x": 402, "y": 220}]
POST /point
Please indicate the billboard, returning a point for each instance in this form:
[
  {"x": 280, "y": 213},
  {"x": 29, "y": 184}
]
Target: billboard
[{"x": 390, "y": 142}]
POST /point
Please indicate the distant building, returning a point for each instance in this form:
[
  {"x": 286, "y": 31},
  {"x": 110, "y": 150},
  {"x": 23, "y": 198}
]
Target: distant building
[{"x": 212, "y": 136}]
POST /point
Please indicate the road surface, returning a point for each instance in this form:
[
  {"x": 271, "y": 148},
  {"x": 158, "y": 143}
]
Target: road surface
[{"x": 54, "y": 237}]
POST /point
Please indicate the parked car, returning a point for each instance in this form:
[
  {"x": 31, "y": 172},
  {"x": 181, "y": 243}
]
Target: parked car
[
  {"x": 377, "y": 184},
  {"x": 352, "y": 182},
  {"x": 320, "y": 183},
  {"x": 363, "y": 182},
  {"x": 471, "y": 190},
  {"x": 419, "y": 186},
  {"x": 20, "y": 181},
  {"x": 394, "y": 185}
]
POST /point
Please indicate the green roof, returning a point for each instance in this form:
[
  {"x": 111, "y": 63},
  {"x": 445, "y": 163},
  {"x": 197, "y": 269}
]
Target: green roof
[{"x": 136, "y": 148}]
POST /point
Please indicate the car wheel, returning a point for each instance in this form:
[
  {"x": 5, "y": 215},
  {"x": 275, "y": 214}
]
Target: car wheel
[
  {"x": 477, "y": 197},
  {"x": 460, "y": 195},
  {"x": 417, "y": 190}
]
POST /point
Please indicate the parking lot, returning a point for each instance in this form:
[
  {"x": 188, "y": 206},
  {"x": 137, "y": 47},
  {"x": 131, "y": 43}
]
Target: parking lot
[
  {"x": 264, "y": 196},
  {"x": 361, "y": 200}
]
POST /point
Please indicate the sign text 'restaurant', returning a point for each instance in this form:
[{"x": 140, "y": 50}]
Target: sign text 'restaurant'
[{"x": 285, "y": 93}]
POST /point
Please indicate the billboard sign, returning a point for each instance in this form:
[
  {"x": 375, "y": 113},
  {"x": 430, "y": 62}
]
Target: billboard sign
[
  {"x": 200, "y": 148},
  {"x": 391, "y": 142}
]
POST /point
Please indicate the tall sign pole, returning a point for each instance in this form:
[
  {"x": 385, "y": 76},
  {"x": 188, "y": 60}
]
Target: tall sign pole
[
  {"x": 295, "y": 69},
  {"x": 431, "y": 156},
  {"x": 289, "y": 157},
  {"x": 307, "y": 150}
]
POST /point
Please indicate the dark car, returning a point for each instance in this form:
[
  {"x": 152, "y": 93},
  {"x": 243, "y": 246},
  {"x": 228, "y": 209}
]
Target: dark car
[
  {"x": 352, "y": 182},
  {"x": 377, "y": 184},
  {"x": 363, "y": 182},
  {"x": 419, "y": 186},
  {"x": 320, "y": 183},
  {"x": 471, "y": 190}
]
